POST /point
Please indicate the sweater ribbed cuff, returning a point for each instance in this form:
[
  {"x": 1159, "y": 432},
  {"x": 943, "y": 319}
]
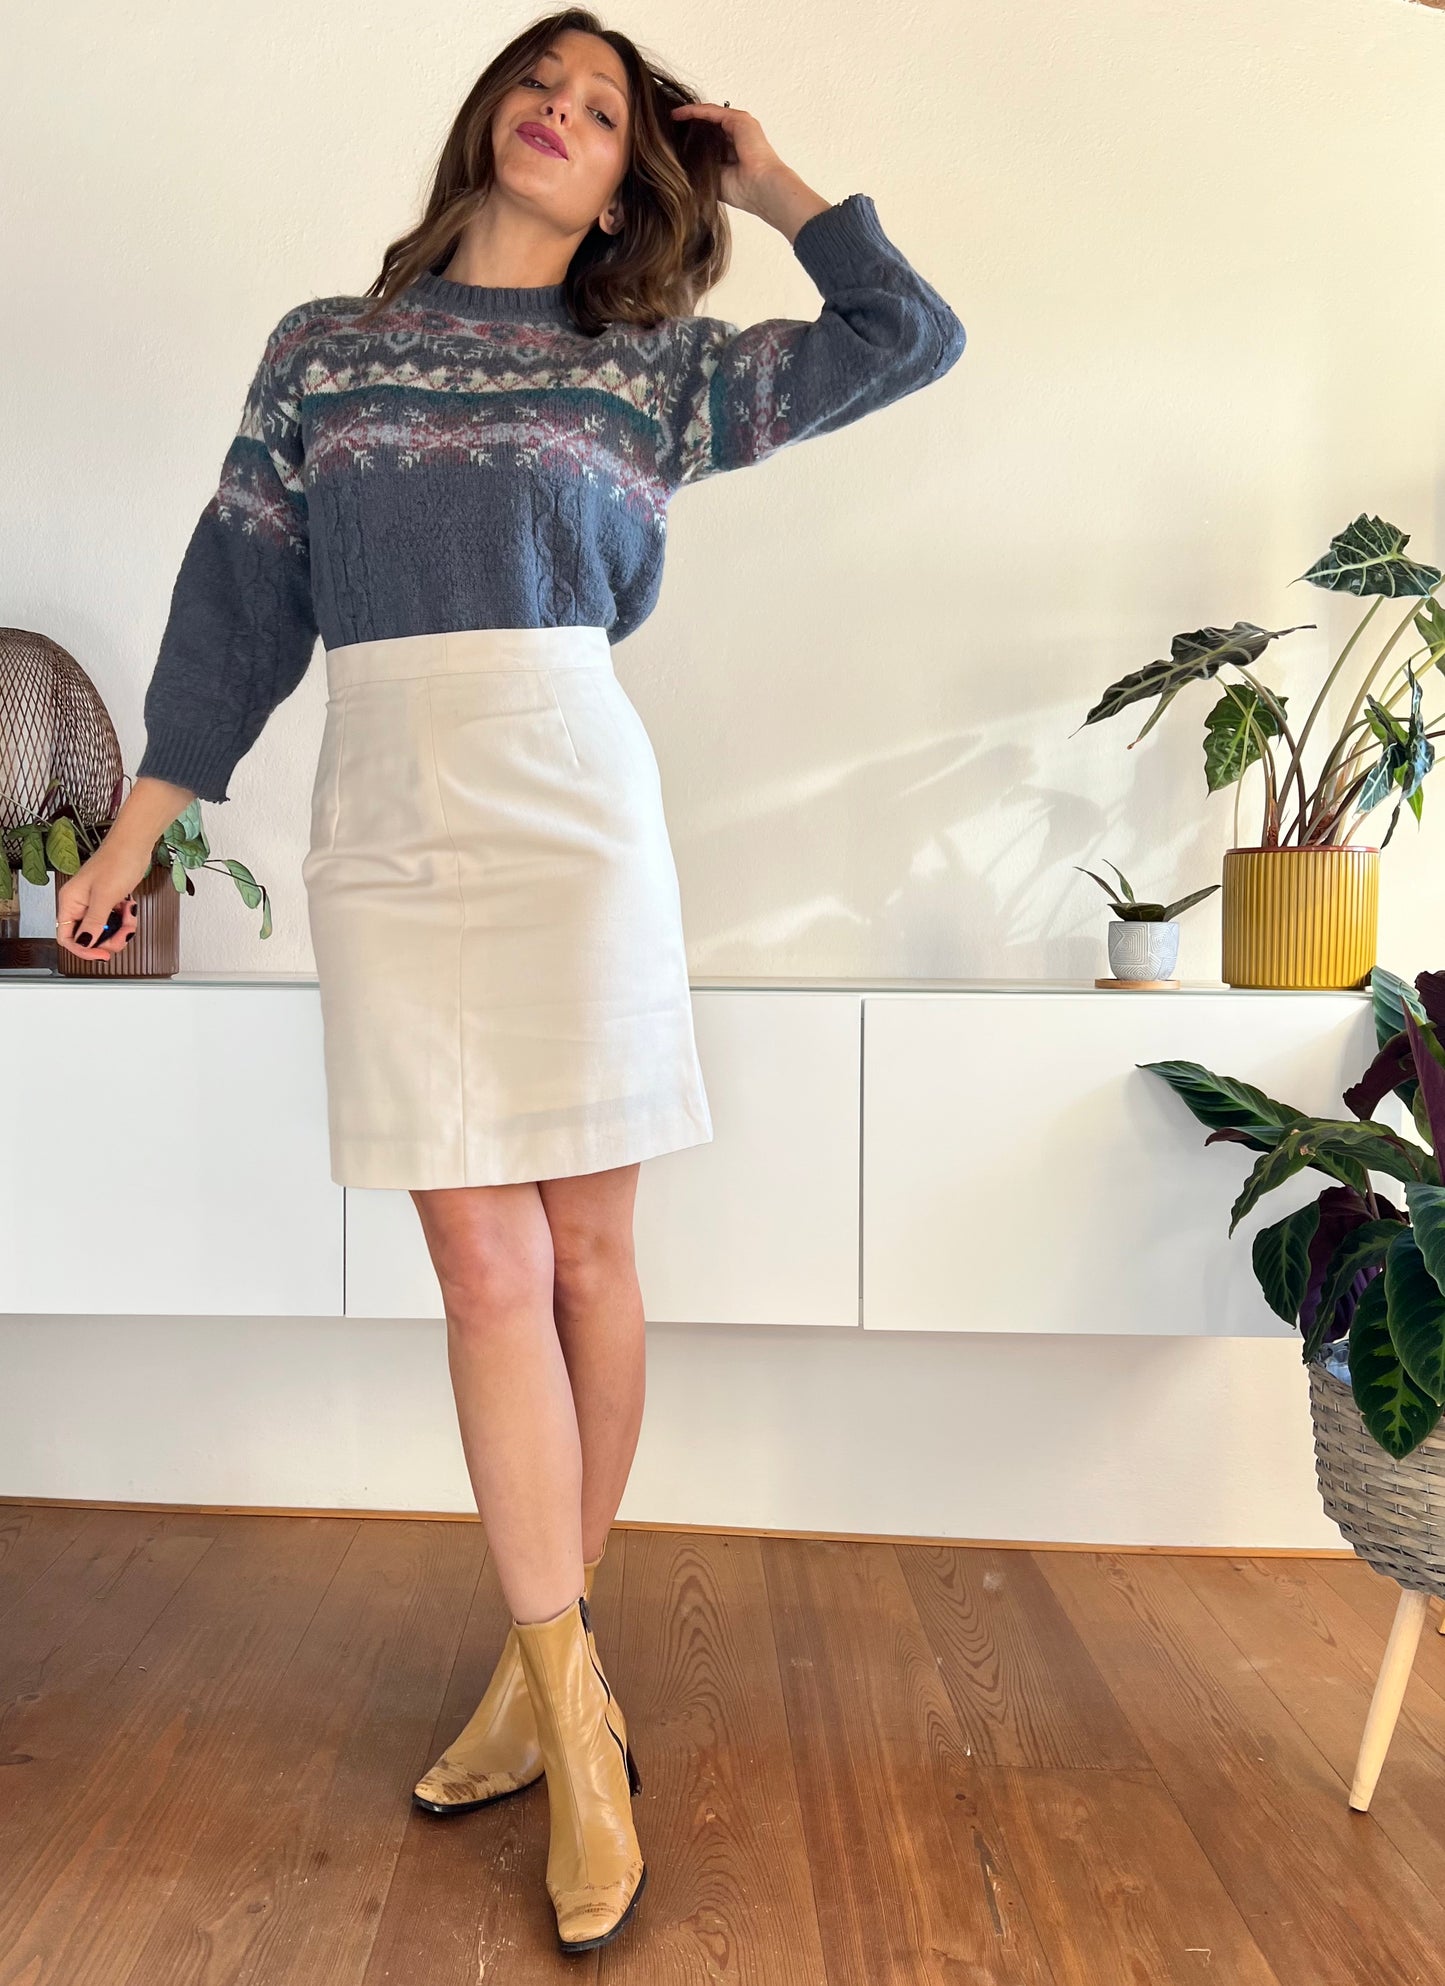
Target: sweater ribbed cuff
[
  {"x": 834, "y": 244},
  {"x": 195, "y": 759}
]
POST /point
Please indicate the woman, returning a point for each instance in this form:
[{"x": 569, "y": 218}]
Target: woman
[{"x": 461, "y": 480}]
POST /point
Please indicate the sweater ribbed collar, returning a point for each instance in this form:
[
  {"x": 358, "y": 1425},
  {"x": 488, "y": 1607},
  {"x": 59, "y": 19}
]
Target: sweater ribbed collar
[{"x": 543, "y": 303}]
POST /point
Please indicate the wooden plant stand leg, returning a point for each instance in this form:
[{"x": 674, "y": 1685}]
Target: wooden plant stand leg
[{"x": 1389, "y": 1693}]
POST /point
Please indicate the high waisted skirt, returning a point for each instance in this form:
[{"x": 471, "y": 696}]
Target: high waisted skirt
[{"x": 495, "y": 915}]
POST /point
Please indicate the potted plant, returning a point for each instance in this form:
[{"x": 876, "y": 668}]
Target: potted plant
[
  {"x": 58, "y": 842},
  {"x": 1143, "y": 937},
  {"x": 1301, "y": 907},
  {"x": 1363, "y": 1280}
]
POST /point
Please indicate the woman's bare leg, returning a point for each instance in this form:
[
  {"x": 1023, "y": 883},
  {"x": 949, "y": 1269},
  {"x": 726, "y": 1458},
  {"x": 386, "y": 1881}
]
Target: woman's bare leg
[
  {"x": 491, "y": 1247},
  {"x": 598, "y": 1308}
]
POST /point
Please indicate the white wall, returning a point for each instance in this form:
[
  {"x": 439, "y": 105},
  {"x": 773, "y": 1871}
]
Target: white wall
[
  {"x": 1196, "y": 250},
  {"x": 1107, "y": 1441}
]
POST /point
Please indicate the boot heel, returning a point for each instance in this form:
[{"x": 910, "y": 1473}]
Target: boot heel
[{"x": 634, "y": 1777}]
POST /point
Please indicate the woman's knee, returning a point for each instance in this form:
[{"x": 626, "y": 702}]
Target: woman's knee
[
  {"x": 491, "y": 1249},
  {"x": 590, "y": 1260},
  {"x": 591, "y": 1226}
]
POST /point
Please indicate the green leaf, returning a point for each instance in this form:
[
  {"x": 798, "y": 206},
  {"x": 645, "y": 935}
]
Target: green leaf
[
  {"x": 1368, "y": 1145},
  {"x": 1415, "y": 1311},
  {"x": 187, "y": 832},
  {"x": 1281, "y": 1258},
  {"x": 1195, "y": 657},
  {"x": 1234, "y": 731},
  {"x": 1110, "y": 890},
  {"x": 1394, "y": 1409},
  {"x": 188, "y": 823},
  {"x": 1360, "y": 1248},
  {"x": 60, "y": 846},
  {"x": 1380, "y": 778},
  {"x": 33, "y": 866},
  {"x": 1390, "y": 995},
  {"x": 7, "y": 878},
  {"x": 1287, "y": 1157},
  {"x": 1224, "y": 1101},
  {"x": 1430, "y": 624},
  {"x": 266, "y": 919},
  {"x": 1427, "y": 1214},
  {"x": 1383, "y": 721},
  {"x": 1368, "y": 557},
  {"x": 1408, "y": 755},
  {"x": 180, "y": 878},
  {"x": 1420, "y": 1117},
  {"x": 1188, "y": 902}
]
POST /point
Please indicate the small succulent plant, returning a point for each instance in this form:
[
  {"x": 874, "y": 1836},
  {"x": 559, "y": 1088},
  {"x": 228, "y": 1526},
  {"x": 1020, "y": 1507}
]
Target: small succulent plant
[{"x": 1127, "y": 906}]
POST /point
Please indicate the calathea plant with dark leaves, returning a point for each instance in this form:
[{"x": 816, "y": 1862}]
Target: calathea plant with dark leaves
[
  {"x": 1384, "y": 743},
  {"x": 1352, "y": 1269}
]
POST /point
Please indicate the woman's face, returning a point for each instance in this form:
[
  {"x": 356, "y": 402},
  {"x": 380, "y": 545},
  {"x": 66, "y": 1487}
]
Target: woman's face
[{"x": 576, "y": 94}]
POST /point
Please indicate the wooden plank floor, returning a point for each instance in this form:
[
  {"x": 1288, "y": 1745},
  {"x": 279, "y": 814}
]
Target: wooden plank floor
[{"x": 865, "y": 1764}]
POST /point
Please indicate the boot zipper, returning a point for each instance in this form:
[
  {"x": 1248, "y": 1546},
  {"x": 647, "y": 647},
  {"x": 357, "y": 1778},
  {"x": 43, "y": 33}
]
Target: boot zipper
[{"x": 587, "y": 1625}]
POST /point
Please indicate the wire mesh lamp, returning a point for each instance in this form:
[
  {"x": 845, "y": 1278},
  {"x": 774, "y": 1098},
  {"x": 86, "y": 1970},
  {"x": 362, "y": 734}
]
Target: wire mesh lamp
[{"x": 60, "y": 761}]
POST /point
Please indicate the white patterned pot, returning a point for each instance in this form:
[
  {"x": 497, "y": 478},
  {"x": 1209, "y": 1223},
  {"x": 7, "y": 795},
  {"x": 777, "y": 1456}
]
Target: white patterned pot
[{"x": 1143, "y": 951}]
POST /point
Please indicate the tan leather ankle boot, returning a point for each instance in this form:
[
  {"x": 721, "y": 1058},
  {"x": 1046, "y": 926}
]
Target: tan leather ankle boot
[
  {"x": 496, "y": 1752},
  {"x": 595, "y": 1870}
]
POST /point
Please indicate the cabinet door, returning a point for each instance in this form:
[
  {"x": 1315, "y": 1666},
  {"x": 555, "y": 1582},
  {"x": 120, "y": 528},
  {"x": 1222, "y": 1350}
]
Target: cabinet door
[
  {"x": 761, "y": 1225},
  {"x": 758, "y": 1227},
  {"x": 1021, "y": 1174},
  {"x": 388, "y": 1270},
  {"x": 166, "y": 1151}
]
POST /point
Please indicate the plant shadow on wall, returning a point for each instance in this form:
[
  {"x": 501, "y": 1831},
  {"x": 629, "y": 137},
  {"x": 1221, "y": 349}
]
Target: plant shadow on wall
[{"x": 1305, "y": 874}]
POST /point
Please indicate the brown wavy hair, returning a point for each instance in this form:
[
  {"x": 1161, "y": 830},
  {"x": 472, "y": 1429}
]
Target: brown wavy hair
[{"x": 675, "y": 241}]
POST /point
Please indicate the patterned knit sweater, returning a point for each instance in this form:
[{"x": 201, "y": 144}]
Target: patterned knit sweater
[{"x": 471, "y": 460}]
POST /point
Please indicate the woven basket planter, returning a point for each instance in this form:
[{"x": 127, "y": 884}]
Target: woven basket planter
[{"x": 1392, "y": 1512}]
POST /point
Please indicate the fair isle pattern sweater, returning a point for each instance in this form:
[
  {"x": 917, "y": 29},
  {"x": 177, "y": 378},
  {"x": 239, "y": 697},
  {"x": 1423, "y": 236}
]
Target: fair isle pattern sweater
[{"x": 471, "y": 460}]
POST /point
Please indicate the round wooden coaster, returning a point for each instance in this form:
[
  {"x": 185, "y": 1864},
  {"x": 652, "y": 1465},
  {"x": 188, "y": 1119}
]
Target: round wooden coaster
[{"x": 1139, "y": 985}]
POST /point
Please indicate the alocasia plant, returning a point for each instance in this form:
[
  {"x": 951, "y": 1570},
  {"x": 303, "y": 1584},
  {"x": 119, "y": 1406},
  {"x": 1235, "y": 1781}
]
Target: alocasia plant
[{"x": 1385, "y": 741}]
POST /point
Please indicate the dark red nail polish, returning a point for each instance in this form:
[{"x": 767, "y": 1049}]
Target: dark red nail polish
[{"x": 82, "y": 937}]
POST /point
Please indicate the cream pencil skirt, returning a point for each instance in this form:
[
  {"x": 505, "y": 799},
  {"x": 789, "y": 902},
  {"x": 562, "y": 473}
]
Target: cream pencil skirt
[{"x": 495, "y": 916}]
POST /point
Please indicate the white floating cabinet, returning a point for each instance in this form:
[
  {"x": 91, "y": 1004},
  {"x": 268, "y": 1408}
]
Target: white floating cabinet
[
  {"x": 1021, "y": 1174},
  {"x": 758, "y": 1227},
  {"x": 164, "y": 1150},
  {"x": 911, "y": 1156},
  {"x": 388, "y": 1269}
]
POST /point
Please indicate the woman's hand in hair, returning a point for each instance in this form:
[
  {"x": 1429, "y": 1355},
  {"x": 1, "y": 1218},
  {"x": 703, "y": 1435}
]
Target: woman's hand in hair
[{"x": 754, "y": 178}]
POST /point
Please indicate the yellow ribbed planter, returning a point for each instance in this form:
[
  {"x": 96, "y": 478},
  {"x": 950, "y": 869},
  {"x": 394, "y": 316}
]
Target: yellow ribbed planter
[{"x": 1303, "y": 917}]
